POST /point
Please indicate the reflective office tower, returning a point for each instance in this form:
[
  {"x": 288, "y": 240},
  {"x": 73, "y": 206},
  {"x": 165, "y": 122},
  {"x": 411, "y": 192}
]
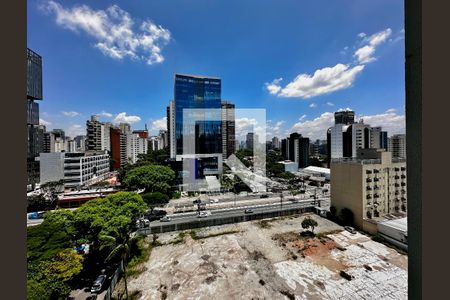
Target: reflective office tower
[
  {"x": 198, "y": 92},
  {"x": 35, "y": 135},
  {"x": 228, "y": 129}
]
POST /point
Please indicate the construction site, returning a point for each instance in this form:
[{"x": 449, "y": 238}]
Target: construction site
[{"x": 269, "y": 259}]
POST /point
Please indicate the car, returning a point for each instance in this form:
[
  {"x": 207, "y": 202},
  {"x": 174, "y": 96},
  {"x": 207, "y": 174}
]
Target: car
[
  {"x": 146, "y": 222},
  {"x": 36, "y": 215},
  {"x": 312, "y": 196},
  {"x": 302, "y": 191},
  {"x": 248, "y": 211},
  {"x": 139, "y": 224},
  {"x": 264, "y": 196},
  {"x": 325, "y": 190},
  {"x": 98, "y": 284},
  {"x": 203, "y": 214},
  {"x": 198, "y": 201},
  {"x": 350, "y": 229},
  {"x": 165, "y": 219}
]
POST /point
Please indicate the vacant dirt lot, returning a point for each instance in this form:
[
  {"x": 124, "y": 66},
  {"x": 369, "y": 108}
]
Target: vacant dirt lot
[{"x": 271, "y": 260}]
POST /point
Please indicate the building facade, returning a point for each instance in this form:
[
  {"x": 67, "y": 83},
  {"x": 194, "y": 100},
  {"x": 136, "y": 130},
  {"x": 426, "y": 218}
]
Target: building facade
[
  {"x": 228, "y": 129},
  {"x": 371, "y": 185},
  {"x": 397, "y": 145},
  {"x": 76, "y": 169},
  {"x": 35, "y": 135},
  {"x": 296, "y": 149}
]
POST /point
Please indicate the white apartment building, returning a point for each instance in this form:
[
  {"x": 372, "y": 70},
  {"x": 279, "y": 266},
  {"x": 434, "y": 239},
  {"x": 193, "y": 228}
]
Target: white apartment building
[
  {"x": 171, "y": 129},
  {"x": 76, "y": 169}
]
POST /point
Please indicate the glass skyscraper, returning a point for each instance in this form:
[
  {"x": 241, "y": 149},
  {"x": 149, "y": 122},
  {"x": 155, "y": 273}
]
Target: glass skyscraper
[
  {"x": 34, "y": 133},
  {"x": 198, "y": 92}
]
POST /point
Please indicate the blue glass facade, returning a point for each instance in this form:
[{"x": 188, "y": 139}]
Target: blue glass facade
[{"x": 198, "y": 92}]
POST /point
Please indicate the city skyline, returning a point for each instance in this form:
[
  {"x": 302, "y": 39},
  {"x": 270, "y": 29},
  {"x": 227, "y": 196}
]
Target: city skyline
[{"x": 365, "y": 56}]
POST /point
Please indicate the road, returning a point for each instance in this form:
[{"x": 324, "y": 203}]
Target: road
[{"x": 236, "y": 211}]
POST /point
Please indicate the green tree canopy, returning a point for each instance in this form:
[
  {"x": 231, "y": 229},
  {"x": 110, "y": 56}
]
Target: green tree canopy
[
  {"x": 155, "y": 199},
  {"x": 153, "y": 178}
]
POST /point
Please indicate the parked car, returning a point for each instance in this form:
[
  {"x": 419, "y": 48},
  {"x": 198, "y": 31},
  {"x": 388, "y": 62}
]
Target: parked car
[
  {"x": 146, "y": 222},
  {"x": 36, "y": 215},
  {"x": 264, "y": 196},
  {"x": 214, "y": 201},
  {"x": 248, "y": 211},
  {"x": 198, "y": 201},
  {"x": 350, "y": 229},
  {"x": 325, "y": 190},
  {"x": 98, "y": 284},
  {"x": 165, "y": 219}
]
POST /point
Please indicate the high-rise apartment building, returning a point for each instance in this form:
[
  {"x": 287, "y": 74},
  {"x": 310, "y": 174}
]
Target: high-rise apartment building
[
  {"x": 94, "y": 134},
  {"x": 35, "y": 135},
  {"x": 171, "y": 129},
  {"x": 115, "y": 140},
  {"x": 397, "y": 145},
  {"x": 296, "y": 149},
  {"x": 371, "y": 185},
  {"x": 228, "y": 129},
  {"x": 375, "y": 137},
  {"x": 276, "y": 143},
  {"x": 250, "y": 140},
  {"x": 164, "y": 139}
]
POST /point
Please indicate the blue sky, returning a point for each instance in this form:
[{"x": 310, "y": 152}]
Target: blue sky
[{"x": 118, "y": 58}]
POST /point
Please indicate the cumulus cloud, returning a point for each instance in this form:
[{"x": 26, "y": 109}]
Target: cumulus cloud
[
  {"x": 361, "y": 34},
  {"x": 274, "y": 86},
  {"x": 243, "y": 126},
  {"x": 330, "y": 103},
  {"x": 364, "y": 54},
  {"x": 323, "y": 81},
  {"x": 70, "y": 113},
  {"x": 313, "y": 105},
  {"x": 113, "y": 30},
  {"x": 75, "y": 130},
  {"x": 302, "y": 117},
  {"x": 317, "y": 128},
  {"x": 159, "y": 124},
  {"x": 123, "y": 118},
  {"x": 45, "y": 123},
  {"x": 274, "y": 128},
  {"x": 105, "y": 114}
]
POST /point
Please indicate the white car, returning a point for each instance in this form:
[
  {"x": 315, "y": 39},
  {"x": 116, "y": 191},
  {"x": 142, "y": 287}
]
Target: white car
[
  {"x": 204, "y": 214},
  {"x": 165, "y": 219},
  {"x": 214, "y": 201}
]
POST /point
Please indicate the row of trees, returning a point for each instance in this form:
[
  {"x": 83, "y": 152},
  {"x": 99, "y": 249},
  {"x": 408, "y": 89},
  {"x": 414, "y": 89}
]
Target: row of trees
[{"x": 104, "y": 224}]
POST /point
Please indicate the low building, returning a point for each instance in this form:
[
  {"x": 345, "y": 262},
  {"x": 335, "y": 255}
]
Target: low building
[
  {"x": 371, "y": 186},
  {"x": 289, "y": 166},
  {"x": 76, "y": 169},
  {"x": 316, "y": 172},
  {"x": 395, "y": 231}
]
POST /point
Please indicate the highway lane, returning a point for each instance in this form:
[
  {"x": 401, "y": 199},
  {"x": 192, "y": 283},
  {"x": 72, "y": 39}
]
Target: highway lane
[{"x": 217, "y": 214}]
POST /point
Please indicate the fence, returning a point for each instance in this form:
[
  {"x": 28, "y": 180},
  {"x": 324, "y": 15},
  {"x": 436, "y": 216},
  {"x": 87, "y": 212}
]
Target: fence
[
  {"x": 114, "y": 280},
  {"x": 223, "y": 220}
]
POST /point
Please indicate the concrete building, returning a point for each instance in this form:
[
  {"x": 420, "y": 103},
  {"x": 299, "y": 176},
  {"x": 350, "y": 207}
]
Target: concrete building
[
  {"x": 115, "y": 139},
  {"x": 164, "y": 138},
  {"x": 171, "y": 129},
  {"x": 317, "y": 172},
  {"x": 371, "y": 185},
  {"x": 397, "y": 145},
  {"x": 289, "y": 166},
  {"x": 384, "y": 141},
  {"x": 375, "y": 137},
  {"x": 228, "y": 129},
  {"x": 76, "y": 169},
  {"x": 153, "y": 143},
  {"x": 95, "y": 134},
  {"x": 296, "y": 149},
  {"x": 80, "y": 141},
  {"x": 395, "y": 232},
  {"x": 276, "y": 143},
  {"x": 250, "y": 140}
]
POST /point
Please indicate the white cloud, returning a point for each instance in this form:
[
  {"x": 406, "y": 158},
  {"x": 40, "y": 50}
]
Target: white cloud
[
  {"x": 330, "y": 104},
  {"x": 390, "y": 121},
  {"x": 302, "y": 118},
  {"x": 45, "y": 123},
  {"x": 364, "y": 54},
  {"x": 105, "y": 114},
  {"x": 274, "y": 129},
  {"x": 313, "y": 105},
  {"x": 70, "y": 113},
  {"x": 317, "y": 128},
  {"x": 361, "y": 34},
  {"x": 159, "y": 124},
  {"x": 75, "y": 130},
  {"x": 323, "y": 81},
  {"x": 274, "y": 86},
  {"x": 243, "y": 126},
  {"x": 123, "y": 118},
  {"x": 113, "y": 32}
]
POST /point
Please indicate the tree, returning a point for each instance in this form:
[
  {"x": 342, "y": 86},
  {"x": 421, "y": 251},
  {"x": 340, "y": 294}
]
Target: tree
[
  {"x": 308, "y": 222},
  {"x": 153, "y": 178},
  {"x": 65, "y": 265},
  {"x": 38, "y": 203},
  {"x": 155, "y": 199}
]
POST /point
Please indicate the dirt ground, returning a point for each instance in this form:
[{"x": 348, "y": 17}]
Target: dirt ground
[{"x": 271, "y": 260}]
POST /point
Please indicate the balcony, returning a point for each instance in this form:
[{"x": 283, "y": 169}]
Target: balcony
[
  {"x": 403, "y": 184},
  {"x": 403, "y": 176},
  {"x": 396, "y": 185},
  {"x": 368, "y": 180},
  {"x": 397, "y": 177},
  {"x": 376, "y": 187},
  {"x": 368, "y": 188},
  {"x": 376, "y": 196},
  {"x": 368, "y": 197},
  {"x": 368, "y": 172},
  {"x": 396, "y": 169},
  {"x": 403, "y": 168},
  {"x": 376, "y": 179},
  {"x": 376, "y": 171}
]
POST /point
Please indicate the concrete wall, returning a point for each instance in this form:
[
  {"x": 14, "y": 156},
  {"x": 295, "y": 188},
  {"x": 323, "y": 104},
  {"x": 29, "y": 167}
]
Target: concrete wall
[
  {"x": 51, "y": 166},
  {"x": 347, "y": 189}
]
